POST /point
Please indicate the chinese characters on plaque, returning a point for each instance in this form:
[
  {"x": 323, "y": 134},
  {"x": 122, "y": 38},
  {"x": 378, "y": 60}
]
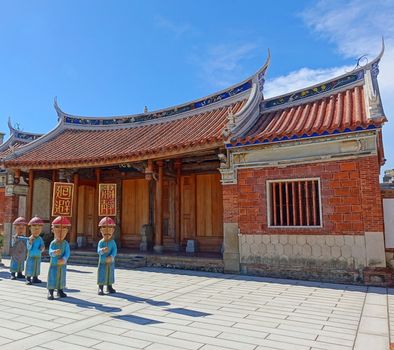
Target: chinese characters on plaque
[
  {"x": 107, "y": 200},
  {"x": 62, "y": 199}
]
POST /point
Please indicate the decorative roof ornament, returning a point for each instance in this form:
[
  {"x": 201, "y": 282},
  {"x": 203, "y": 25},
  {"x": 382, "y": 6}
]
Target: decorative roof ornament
[
  {"x": 231, "y": 123},
  {"x": 261, "y": 73},
  {"x": 372, "y": 94},
  {"x": 145, "y": 110}
]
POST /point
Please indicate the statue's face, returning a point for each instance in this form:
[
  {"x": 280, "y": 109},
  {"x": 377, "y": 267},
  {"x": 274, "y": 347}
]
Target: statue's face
[
  {"x": 36, "y": 230},
  {"x": 107, "y": 232},
  {"x": 60, "y": 231},
  {"x": 20, "y": 230}
]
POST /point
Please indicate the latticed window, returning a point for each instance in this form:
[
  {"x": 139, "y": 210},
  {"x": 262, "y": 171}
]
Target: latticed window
[{"x": 294, "y": 203}]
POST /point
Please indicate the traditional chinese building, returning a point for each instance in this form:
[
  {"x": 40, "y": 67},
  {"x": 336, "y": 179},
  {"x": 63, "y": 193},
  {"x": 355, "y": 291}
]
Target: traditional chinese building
[
  {"x": 8, "y": 184},
  {"x": 287, "y": 186}
]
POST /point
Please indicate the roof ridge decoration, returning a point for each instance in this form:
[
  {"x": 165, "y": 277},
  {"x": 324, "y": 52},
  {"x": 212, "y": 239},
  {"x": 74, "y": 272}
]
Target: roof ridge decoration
[
  {"x": 20, "y": 135},
  {"x": 314, "y": 90},
  {"x": 372, "y": 95},
  {"x": 17, "y": 136},
  {"x": 310, "y": 100},
  {"x": 347, "y": 79},
  {"x": 221, "y": 96},
  {"x": 107, "y": 121},
  {"x": 241, "y": 121}
]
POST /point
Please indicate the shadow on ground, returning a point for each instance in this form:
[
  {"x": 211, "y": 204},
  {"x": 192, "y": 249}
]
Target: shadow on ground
[
  {"x": 89, "y": 305},
  {"x": 135, "y": 299},
  {"x": 136, "y": 319}
]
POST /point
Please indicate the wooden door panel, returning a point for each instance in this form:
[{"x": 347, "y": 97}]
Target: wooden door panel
[
  {"x": 86, "y": 212},
  {"x": 188, "y": 207},
  {"x": 209, "y": 206},
  {"x": 135, "y": 206},
  {"x": 90, "y": 212}
]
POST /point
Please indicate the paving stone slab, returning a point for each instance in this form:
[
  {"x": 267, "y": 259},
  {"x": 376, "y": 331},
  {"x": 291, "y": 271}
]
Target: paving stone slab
[{"x": 171, "y": 309}]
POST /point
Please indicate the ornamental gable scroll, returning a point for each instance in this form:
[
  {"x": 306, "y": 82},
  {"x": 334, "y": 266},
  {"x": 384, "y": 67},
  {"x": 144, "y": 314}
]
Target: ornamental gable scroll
[
  {"x": 62, "y": 199},
  {"x": 107, "y": 200}
]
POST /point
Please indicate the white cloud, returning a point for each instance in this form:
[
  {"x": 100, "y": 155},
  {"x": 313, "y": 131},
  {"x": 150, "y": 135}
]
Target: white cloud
[
  {"x": 301, "y": 78},
  {"x": 178, "y": 28},
  {"x": 221, "y": 65},
  {"x": 356, "y": 28}
]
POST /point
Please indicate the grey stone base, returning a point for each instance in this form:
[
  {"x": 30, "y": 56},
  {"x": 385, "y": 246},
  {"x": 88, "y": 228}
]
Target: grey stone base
[
  {"x": 305, "y": 273},
  {"x": 158, "y": 249}
]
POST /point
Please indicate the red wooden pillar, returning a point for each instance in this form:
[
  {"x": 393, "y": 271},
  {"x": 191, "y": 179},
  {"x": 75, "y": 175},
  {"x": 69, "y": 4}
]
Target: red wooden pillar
[
  {"x": 96, "y": 204},
  {"x": 178, "y": 167},
  {"x": 158, "y": 247},
  {"x": 73, "y": 233},
  {"x": 30, "y": 195}
]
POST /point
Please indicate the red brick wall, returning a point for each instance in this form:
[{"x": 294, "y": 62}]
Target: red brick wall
[
  {"x": 2, "y": 205},
  {"x": 10, "y": 208},
  {"x": 351, "y": 198}
]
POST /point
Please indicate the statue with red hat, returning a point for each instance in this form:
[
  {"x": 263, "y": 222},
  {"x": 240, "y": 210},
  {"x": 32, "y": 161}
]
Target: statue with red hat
[
  {"x": 107, "y": 251},
  {"x": 59, "y": 251},
  {"x": 18, "y": 248},
  {"x": 35, "y": 247}
]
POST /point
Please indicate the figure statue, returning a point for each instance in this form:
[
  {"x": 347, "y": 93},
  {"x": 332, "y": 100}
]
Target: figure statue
[
  {"x": 35, "y": 247},
  {"x": 107, "y": 250},
  {"x": 18, "y": 248},
  {"x": 59, "y": 251}
]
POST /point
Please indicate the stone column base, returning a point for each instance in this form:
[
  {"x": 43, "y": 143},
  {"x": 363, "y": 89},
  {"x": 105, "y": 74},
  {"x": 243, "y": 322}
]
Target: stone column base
[
  {"x": 158, "y": 249},
  {"x": 231, "y": 248}
]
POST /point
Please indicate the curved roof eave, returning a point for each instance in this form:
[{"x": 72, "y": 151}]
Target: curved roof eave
[
  {"x": 359, "y": 69},
  {"x": 257, "y": 78}
]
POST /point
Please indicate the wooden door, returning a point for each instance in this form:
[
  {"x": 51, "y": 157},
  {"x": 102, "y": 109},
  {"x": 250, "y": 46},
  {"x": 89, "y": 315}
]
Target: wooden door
[
  {"x": 209, "y": 212},
  {"x": 135, "y": 211},
  {"x": 202, "y": 211},
  {"x": 169, "y": 210},
  {"x": 188, "y": 207},
  {"x": 86, "y": 212}
]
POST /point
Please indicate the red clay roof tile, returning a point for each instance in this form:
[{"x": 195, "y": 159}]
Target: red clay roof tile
[
  {"x": 85, "y": 146},
  {"x": 337, "y": 112}
]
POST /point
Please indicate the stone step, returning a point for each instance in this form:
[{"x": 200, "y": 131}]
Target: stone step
[{"x": 133, "y": 261}]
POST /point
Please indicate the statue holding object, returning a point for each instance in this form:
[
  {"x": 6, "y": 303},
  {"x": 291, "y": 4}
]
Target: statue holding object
[
  {"x": 59, "y": 251},
  {"x": 18, "y": 248},
  {"x": 35, "y": 247},
  {"x": 107, "y": 251}
]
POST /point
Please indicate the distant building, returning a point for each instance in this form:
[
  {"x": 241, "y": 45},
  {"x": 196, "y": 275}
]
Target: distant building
[
  {"x": 16, "y": 139},
  {"x": 388, "y": 176}
]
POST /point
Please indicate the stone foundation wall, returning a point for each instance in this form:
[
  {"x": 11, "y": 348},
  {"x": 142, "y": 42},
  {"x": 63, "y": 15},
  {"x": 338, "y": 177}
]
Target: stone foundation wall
[{"x": 338, "y": 258}]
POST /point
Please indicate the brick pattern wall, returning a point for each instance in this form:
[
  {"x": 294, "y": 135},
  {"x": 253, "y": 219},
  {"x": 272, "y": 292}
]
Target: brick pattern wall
[
  {"x": 10, "y": 208},
  {"x": 2, "y": 205},
  {"x": 350, "y": 196}
]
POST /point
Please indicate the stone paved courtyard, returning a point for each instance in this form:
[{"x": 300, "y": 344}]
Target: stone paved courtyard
[{"x": 173, "y": 309}]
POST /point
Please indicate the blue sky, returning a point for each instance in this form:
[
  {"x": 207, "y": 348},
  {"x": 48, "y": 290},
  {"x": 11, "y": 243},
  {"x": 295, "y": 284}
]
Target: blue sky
[{"x": 103, "y": 58}]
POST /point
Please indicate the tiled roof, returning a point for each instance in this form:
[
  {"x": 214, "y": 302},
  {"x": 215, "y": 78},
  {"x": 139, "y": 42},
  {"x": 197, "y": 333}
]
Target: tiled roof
[
  {"x": 7, "y": 151},
  {"x": 338, "y": 112},
  {"x": 106, "y": 145}
]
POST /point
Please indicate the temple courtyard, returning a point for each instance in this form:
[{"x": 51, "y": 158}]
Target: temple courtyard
[{"x": 173, "y": 309}]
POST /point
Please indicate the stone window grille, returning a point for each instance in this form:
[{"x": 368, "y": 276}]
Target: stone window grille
[{"x": 294, "y": 203}]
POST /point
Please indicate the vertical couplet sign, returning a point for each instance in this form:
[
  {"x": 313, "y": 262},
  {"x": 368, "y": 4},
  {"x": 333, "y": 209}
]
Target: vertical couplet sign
[
  {"x": 62, "y": 199},
  {"x": 107, "y": 200}
]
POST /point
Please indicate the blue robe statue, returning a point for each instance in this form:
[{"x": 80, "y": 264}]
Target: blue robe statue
[
  {"x": 33, "y": 261},
  {"x": 106, "y": 271},
  {"x": 17, "y": 266},
  {"x": 57, "y": 273}
]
